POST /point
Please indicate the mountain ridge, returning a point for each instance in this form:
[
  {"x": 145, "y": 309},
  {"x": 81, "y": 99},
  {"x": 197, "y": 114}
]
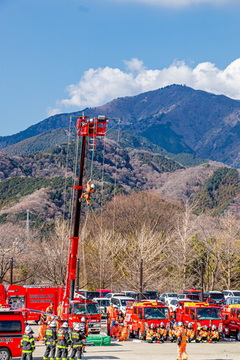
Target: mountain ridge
[{"x": 186, "y": 120}]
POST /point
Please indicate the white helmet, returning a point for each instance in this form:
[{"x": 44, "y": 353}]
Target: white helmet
[
  {"x": 77, "y": 327},
  {"x": 28, "y": 329},
  {"x": 92, "y": 186},
  {"x": 214, "y": 327},
  {"x": 53, "y": 324},
  {"x": 65, "y": 325},
  {"x": 180, "y": 323},
  {"x": 83, "y": 319}
]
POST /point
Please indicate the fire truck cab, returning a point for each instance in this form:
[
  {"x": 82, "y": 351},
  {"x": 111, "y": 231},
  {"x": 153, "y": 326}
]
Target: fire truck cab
[
  {"x": 231, "y": 321},
  {"x": 199, "y": 314},
  {"x": 76, "y": 309},
  {"x": 140, "y": 315},
  {"x": 11, "y": 329}
]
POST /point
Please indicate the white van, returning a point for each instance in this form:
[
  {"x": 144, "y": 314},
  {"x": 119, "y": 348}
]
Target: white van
[{"x": 120, "y": 302}]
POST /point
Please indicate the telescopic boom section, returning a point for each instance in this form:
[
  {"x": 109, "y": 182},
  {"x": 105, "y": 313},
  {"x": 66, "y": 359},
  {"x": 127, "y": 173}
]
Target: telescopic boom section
[{"x": 91, "y": 128}]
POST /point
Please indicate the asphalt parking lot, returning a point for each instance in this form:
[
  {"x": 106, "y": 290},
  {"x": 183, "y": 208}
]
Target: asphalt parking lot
[{"x": 137, "y": 350}]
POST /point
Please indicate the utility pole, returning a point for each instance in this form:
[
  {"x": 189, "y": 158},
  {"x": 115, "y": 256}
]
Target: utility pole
[
  {"x": 11, "y": 271},
  {"x": 141, "y": 279},
  {"x": 77, "y": 275},
  {"x": 202, "y": 281},
  {"x": 27, "y": 226}
]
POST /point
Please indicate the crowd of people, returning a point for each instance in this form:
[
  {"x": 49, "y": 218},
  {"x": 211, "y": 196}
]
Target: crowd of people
[
  {"x": 58, "y": 340},
  {"x": 160, "y": 333}
]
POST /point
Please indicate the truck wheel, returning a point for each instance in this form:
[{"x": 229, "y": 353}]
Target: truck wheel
[
  {"x": 131, "y": 334},
  {"x": 5, "y": 353},
  {"x": 238, "y": 336}
]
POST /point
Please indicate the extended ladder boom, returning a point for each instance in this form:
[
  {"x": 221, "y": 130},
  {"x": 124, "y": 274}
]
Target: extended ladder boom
[{"x": 91, "y": 128}]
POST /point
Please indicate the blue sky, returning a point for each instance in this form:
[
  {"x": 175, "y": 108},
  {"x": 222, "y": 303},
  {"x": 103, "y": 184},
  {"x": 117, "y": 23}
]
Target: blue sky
[{"x": 65, "y": 55}]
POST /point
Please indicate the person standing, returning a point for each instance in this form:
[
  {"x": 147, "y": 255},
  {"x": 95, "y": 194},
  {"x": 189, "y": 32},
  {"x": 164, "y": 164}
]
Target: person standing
[
  {"x": 77, "y": 338},
  {"x": 181, "y": 342},
  {"x": 27, "y": 344},
  {"x": 50, "y": 338},
  {"x": 63, "y": 341}
]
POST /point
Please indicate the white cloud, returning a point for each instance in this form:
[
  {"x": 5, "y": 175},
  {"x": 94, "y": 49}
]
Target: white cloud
[
  {"x": 101, "y": 85},
  {"x": 182, "y": 3}
]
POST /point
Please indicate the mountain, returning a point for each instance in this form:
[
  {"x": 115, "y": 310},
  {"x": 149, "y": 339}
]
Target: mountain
[{"x": 175, "y": 118}]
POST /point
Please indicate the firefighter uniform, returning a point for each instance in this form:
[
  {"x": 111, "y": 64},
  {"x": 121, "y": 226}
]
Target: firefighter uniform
[
  {"x": 214, "y": 336},
  {"x": 76, "y": 345},
  {"x": 150, "y": 335},
  {"x": 63, "y": 341},
  {"x": 161, "y": 334},
  {"x": 28, "y": 346},
  {"x": 115, "y": 330},
  {"x": 123, "y": 334},
  {"x": 50, "y": 338},
  {"x": 190, "y": 333},
  {"x": 203, "y": 335},
  {"x": 182, "y": 343}
]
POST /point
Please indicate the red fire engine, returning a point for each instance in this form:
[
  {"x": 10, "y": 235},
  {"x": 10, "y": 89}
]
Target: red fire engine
[
  {"x": 36, "y": 298},
  {"x": 199, "y": 314},
  {"x": 231, "y": 320},
  {"x": 140, "y": 315},
  {"x": 11, "y": 329}
]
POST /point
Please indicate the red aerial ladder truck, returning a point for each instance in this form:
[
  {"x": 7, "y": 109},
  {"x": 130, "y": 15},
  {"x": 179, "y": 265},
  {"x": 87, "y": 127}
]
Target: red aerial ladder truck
[{"x": 72, "y": 310}]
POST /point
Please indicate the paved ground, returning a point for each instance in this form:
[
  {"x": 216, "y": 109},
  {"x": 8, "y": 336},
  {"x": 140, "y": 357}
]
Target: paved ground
[{"x": 136, "y": 350}]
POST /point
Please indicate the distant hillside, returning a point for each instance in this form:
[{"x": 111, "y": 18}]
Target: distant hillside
[
  {"x": 175, "y": 118},
  {"x": 30, "y": 181},
  {"x": 124, "y": 138},
  {"x": 218, "y": 192}
]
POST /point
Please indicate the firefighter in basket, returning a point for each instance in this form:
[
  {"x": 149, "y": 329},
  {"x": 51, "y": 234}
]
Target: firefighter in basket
[{"x": 89, "y": 190}]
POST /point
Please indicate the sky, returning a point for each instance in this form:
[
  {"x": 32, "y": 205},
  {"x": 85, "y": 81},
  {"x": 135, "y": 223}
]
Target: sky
[{"x": 59, "y": 56}]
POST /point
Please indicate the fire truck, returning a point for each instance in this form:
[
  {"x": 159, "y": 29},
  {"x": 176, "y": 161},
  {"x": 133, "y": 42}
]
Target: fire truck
[
  {"x": 11, "y": 329},
  {"x": 36, "y": 298},
  {"x": 231, "y": 321},
  {"x": 199, "y": 314},
  {"x": 140, "y": 315}
]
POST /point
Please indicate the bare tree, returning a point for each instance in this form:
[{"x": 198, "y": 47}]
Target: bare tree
[{"x": 53, "y": 253}]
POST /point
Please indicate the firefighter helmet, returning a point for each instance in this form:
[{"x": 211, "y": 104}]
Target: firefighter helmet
[
  {"x": 180, "y": 324},
  {"x": 83, "y": 319},
  {"x": 92, "y": 186},
  {"x": 205, "y": 327},
  {"x": 28, "y": 329},
  {"x": 152, "y": 325},
  {"x": 190, "y": 325},
  {"x": 53, "y": 324},
  {"x": 77, "y": 327},
  {"x": 162, "y": 324},
  {"x": 214, "y": 327},
  {"x": 65, "y": 325}
]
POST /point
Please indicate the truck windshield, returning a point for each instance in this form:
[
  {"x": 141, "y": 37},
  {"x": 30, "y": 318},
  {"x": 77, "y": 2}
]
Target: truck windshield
[
  {"x": 156, "y": 313},
  {"x": 233, "y": 301},
  {"x": 216, "y": 296},
  {"x": 86, "y": 309},
  {"x": 152, "y": 295},
  {"x": 92, "y": 294},
  {"x": 103, "y": 302},
  {"x": 208, "y": 314}
]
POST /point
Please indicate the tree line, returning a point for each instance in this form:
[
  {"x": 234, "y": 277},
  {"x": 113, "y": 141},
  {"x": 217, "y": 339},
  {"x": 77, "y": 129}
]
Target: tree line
[{"x": 171, "y": 240}]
